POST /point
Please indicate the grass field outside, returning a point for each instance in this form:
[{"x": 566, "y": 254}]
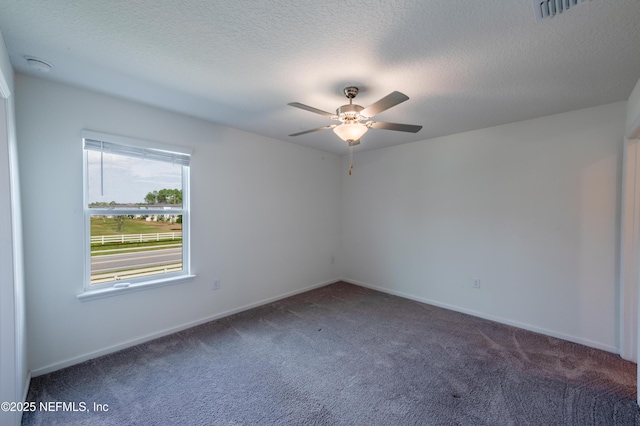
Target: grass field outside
[{"x": 101, "y": 225}]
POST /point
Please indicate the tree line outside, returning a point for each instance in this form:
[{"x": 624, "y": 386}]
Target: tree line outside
[{"x": 163, "y": 196}]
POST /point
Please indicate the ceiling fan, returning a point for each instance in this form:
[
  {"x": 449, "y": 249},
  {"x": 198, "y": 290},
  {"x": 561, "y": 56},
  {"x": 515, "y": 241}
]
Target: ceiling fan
[{"x": 354, "y": 118}]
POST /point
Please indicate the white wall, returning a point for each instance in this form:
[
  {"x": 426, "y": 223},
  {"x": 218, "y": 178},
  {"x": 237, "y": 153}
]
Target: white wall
[
  {"x": 14, "y": 378},
  {"x": 531, "y": 208},
  {"x": 265, "y": 220}
]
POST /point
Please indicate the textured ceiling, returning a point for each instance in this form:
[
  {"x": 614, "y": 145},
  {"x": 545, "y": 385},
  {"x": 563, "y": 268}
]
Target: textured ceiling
[{"x": 464, "y": 64}]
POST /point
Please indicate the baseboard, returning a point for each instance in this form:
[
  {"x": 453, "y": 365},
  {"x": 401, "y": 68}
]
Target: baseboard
[
  {"x": 478, "y": 314},
  {"x": 114, "y": 348}
]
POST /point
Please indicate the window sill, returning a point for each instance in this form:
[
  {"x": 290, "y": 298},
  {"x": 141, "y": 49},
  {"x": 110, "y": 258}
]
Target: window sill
[{"x": 148, "y": 285}]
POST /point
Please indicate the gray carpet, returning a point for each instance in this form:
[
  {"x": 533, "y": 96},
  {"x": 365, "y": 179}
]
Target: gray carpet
[{"x": 346, "y": 355}]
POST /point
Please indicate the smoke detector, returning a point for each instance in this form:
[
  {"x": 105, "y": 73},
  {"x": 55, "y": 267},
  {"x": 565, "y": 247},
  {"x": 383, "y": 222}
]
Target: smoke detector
[{"x": 38, "y": 64}]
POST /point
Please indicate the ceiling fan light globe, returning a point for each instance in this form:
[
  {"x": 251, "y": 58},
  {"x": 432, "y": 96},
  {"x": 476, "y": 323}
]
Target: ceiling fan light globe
[{"x": 350, "y": 132}]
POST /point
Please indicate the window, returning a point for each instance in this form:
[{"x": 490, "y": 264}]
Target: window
[{"x": 136, "y": 209}]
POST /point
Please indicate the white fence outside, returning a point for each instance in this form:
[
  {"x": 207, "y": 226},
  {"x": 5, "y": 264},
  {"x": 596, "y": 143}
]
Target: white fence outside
[{"x": 135, "y": 238}]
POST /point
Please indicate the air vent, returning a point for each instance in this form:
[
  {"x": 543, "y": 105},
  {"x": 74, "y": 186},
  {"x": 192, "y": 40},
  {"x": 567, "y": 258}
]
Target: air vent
[{"x": 549, "y": 8}]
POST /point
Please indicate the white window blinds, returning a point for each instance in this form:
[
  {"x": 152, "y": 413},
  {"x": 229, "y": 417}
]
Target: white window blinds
[{"x": 138, "y": 152}]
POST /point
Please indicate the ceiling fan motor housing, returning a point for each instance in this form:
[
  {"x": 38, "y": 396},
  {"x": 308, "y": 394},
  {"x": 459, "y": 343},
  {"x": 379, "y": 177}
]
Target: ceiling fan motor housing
[{"x": 349, "y": 112}]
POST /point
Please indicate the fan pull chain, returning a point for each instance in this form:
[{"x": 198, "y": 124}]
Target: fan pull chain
[{"x": 350, "y": 157}]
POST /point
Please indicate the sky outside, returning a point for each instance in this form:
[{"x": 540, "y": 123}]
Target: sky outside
[{"x": 129, "y": 179}]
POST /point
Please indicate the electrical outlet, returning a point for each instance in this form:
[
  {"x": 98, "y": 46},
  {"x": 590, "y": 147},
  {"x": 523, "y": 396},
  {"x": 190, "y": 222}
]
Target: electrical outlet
[
  {"x": 216, "y": 284},
  {"x": 476, "y": 283}
]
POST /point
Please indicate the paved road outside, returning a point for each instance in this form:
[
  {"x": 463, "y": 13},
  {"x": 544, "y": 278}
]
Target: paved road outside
[{"x": 115, "y": 262}]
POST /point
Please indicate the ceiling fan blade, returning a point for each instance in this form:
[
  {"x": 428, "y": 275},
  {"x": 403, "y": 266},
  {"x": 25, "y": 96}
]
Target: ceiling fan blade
[
  {"x": 391, "y": 100},
  {"x": 314, "y": 130},
  {"x": 394, "y": 126},
  {"x": 311, "y": 109}
]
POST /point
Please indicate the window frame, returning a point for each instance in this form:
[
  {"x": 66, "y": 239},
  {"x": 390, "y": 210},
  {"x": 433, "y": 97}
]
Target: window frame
[{"x": 93, "y": 291}]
